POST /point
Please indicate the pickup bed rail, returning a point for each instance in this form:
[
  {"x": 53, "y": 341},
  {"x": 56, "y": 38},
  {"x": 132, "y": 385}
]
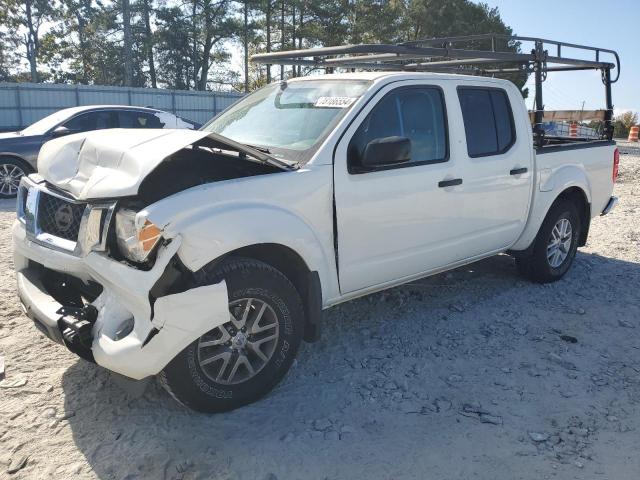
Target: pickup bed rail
[{"x": 467, "y": 54}]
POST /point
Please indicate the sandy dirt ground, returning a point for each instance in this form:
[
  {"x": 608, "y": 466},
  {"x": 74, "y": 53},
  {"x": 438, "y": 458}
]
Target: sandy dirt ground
[{"x": 472, "y": 374}]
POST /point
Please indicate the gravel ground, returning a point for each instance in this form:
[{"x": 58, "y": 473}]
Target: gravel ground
[{"x": 470, "y": 374}]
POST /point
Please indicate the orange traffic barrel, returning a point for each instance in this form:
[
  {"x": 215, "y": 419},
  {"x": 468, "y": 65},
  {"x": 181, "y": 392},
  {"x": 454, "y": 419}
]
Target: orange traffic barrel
[
  {"x": 633, "y": 134},
  {"x": 573, "y": 130}
]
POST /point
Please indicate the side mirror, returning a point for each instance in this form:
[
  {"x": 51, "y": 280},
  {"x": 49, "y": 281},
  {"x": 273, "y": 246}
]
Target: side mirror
[
  {"x": 387, "y": 151},
  {"x": 60, "y": 131}
]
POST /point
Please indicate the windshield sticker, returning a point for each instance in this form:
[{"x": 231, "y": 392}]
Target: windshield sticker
[{"x": 334, "y": 102}]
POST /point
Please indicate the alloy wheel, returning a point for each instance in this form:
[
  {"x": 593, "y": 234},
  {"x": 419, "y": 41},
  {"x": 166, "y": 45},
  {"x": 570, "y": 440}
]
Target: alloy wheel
[
  {"x": 237, "y": 350},
  {"x": 559, "y": 243},
  {"x": 10, "y": 176}
]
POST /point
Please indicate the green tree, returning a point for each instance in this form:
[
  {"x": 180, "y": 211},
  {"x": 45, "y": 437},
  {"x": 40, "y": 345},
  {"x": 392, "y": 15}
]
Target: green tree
[
  {"x": 623, "y": 122},
  {"x": 444, "y": 18},
  {"x": 378, "y": 21},
  {"x": 24, "y": 20}
]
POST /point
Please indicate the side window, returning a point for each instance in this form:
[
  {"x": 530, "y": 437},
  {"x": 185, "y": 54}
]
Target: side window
[
  {"x": 415, "y": 113},
  {"x": 133, "y": 119},
  {"x": 86, "y": 122},
  {"x": 488, "y": 120}
]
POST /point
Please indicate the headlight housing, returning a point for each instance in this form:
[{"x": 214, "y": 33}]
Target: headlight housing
[{"x": 136, "y": 236}]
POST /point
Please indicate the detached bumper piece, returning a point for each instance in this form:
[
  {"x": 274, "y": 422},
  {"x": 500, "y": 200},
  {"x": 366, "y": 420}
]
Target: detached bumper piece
[
  {"x": 76, "y": 324},
  {"x": 613, "y": 201}
]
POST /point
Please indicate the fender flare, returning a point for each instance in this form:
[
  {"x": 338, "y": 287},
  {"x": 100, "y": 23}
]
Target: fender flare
[{"x": 548, "y": 191}]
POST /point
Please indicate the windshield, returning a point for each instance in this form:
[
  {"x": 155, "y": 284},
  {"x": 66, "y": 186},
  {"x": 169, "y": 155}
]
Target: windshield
[
  {"x": 288, "y": 119},
  {"x": 45, "y": 124}
]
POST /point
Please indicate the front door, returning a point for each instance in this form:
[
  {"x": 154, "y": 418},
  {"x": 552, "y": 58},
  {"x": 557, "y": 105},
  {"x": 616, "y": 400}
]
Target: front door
[{"x": 396, "y": 221}]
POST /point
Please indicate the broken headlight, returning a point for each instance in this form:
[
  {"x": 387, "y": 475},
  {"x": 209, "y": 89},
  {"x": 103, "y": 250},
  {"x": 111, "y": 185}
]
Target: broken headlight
[{"x": 136, "y": 236}]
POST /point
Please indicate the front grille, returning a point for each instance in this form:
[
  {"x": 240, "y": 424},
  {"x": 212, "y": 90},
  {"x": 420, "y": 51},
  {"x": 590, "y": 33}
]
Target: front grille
[{"x": 59, "y": 217}]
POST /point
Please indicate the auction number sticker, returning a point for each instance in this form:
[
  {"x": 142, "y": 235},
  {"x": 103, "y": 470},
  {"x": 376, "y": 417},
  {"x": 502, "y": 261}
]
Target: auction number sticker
[{"x": 334, "y": 102}]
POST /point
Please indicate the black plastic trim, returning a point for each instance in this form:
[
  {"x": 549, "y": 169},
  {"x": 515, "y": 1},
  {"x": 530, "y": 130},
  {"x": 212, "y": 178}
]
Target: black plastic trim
[
  {"x": 313, "y": 308},
  {"x": 450, "y": 183},
  {"x": 573, "y": 146}
]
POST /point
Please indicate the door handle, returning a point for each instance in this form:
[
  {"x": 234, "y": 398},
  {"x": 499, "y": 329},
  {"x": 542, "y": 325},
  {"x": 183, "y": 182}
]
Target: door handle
[
  {"x": 450, "y": 183},
  {"x": 518, "y": 171}
]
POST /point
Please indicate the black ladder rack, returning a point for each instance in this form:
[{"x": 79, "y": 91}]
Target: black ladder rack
[{"x": 448, "y": 55}]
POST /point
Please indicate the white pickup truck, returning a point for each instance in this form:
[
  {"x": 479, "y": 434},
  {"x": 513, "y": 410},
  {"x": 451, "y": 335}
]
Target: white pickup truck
[{"x": 205, "y": 257}]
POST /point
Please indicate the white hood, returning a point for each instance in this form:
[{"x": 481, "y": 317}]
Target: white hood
[{"x": 109, "y": 163}]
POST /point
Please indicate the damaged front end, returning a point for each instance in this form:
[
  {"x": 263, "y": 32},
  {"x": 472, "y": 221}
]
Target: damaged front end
[
  {"x": 97, "y": 275},
  {"x": 128, "y": 320}
]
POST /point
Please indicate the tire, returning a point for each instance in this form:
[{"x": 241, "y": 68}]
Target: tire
[
  {"x": 11, "y": 171},
  {"x": 542, "y": 266},
  {"x": 213, "y": 387}
]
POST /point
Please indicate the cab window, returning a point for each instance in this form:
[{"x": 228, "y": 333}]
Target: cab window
[
  {"x": 416, "y": 113},
  {"x": 488, "y": 120}
]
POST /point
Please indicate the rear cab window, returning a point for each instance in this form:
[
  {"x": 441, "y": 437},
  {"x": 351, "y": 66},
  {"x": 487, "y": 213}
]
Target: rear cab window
[
  {"x": 488, "y": 120},
  {"x": 417, "y": 113}
]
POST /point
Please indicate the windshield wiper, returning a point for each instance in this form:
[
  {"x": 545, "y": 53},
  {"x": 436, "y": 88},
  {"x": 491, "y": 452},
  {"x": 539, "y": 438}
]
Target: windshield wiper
[
  {"x": 219, "y": 141},
  {"x": 259, "y": 148}
]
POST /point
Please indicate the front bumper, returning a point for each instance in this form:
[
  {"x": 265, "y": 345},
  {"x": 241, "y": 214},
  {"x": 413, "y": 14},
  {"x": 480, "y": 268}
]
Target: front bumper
[{"x": 161, "y": 328}]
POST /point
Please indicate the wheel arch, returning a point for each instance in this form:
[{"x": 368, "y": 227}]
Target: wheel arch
[
  {"x": 578, "y": 196},
  {"x": 14, "y": 156},
  {"x": 576, "y": 193},
  {"x": 295, "y": 268}
]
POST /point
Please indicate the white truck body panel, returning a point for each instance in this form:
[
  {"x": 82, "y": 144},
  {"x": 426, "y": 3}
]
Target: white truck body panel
[
  {"x": 588, "y": 169},
  {"x": 419, "y": 227},
  {"x": 360, "y": 233}
]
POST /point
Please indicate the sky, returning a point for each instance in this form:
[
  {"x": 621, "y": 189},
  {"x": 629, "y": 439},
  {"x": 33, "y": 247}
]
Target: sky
[{"x": 612, "y": 24}]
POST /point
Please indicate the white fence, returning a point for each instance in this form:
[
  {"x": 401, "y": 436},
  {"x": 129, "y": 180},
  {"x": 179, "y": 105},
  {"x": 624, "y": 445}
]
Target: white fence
[{"x": 21, "y": 104}]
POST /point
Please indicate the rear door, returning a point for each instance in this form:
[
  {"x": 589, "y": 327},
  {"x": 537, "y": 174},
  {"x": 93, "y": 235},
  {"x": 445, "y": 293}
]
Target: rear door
[{"x": 498, "y": 165}]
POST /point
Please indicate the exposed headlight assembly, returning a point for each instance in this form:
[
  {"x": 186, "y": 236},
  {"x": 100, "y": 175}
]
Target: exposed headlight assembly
[{"x": 137, "y": 236}]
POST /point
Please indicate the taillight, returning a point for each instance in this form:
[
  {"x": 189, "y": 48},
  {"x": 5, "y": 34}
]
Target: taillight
[{"x": 616, "y": 162}]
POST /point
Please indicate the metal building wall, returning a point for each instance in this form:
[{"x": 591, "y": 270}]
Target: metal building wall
[{"x": 21, "y": 104}]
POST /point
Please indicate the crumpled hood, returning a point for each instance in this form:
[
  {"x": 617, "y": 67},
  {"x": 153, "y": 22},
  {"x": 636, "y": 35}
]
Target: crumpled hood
[{"x": 109, "y": 163}]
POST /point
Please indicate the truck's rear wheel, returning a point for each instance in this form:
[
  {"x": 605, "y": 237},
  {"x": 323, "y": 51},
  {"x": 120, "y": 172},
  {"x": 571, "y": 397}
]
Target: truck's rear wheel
[
  {"x": 555, "y": 245},
  {"x": 243, "y": 359}
]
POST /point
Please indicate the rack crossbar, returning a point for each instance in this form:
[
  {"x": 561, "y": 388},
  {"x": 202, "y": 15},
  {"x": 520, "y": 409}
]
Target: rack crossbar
[{"x": 455, "y": 54}]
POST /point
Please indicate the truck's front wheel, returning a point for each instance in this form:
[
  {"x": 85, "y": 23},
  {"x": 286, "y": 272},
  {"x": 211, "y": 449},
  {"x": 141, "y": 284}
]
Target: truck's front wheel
[
  {"x": 243, "y": 359},
  {"x": 555, "y": 245}
]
